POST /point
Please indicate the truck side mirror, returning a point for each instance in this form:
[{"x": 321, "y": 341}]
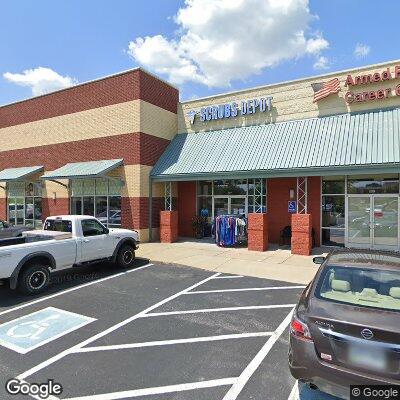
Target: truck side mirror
[
  {"x": 319, "y": 260},
  {"x": 106, "y": 231}
]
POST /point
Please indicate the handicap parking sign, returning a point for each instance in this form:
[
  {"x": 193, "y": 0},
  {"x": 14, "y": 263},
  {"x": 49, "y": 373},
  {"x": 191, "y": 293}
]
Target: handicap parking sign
[
  {"x": 38, "y": 328},
  {"x": 292, "y": 207}
]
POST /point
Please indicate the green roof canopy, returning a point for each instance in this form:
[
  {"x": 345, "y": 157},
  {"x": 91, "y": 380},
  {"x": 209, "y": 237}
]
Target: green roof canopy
[
  {"x": 341, "y": 144},
  {"x": 14, "y": 174},
  {"x": 89, "y": 169}
]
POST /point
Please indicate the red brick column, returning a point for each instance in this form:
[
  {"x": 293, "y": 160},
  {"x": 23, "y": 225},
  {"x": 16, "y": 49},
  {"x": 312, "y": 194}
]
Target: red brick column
[
  {"x": 257, "y": 232},
  {"x": 3, "y": 209},
  {"x": 301, "y": 234},
  {"x": 168, "y": 226}
]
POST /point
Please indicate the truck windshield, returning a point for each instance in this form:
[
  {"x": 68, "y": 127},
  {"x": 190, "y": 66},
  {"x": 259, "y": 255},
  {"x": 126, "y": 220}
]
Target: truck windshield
[
  {"x": 367, "y": 287},
  {"x": 58, "y": 225}
]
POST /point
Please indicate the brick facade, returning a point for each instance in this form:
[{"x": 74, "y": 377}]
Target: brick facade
[
  {"x": 131, "y": 115},
  {"x": 186, "y": 207},
  {"x": 130, "y": 85},
  {"x": 134, "y": 148},
  {"x": 58, "y": 206},
  {"x": 301, "y": 234},
  {"x": 278, "y": 196},
  {"x": 169, "y": 222},
  {"x": 258, "y": 231}
]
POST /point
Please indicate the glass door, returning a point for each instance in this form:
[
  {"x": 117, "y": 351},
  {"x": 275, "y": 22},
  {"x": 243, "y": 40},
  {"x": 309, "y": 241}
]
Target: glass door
[
  {"x": 359, "y": 222},
  {"x": 236, "y": 205},
  {"x": 373, "y": 222},
  {"x": 221, "y": 205},
  {"x": 385, "y": 222}
]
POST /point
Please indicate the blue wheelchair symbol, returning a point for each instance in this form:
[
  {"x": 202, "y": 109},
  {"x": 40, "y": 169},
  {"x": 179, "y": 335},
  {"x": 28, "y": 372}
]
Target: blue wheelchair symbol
[
  {"x": 33, "y": 330},
  {"x": 292, "y": 207}
]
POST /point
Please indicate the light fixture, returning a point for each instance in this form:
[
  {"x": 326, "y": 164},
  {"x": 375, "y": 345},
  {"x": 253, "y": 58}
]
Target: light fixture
[{"x": 291, "y": 194}]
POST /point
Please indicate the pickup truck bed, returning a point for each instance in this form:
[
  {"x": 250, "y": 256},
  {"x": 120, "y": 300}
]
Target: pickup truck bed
[{"x": 65, "y": 241}]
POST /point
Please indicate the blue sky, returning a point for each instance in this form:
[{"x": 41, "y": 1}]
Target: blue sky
[{"x": 212, "y": 47}]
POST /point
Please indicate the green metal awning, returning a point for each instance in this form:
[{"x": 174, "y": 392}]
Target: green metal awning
[
  {"x": 88, "y": 169},
  {"x": 15, "y": 174},
  {"x": 341, "y": 144}
]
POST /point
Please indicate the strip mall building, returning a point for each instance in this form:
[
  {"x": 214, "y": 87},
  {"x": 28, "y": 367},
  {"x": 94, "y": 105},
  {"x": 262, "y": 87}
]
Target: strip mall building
[{"x": 318, "y": 158}]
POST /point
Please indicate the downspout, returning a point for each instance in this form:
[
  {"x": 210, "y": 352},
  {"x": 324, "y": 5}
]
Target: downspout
[{"x": 150, "y": 209}]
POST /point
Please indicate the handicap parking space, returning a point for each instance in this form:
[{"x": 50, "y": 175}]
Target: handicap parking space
[{"x": 159, "y": 332}]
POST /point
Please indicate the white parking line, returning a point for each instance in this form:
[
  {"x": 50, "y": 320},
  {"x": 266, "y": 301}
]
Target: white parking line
[
  {"x": 72, "y": 289},
  {"x": 158, "y": 390},
  {"x": 174, "y": 341},
  {"x": 209, "y": 310},
  {"x": 66, "y": 352},
  {"x": 294, "y": 394},
  {"x": 246, "y": 289},
  {"x": 229, "y": 277},
  {"x": 244, "y": 377}
]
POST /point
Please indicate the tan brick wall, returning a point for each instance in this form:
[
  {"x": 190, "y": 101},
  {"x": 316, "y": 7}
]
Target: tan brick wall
[
  {"x": 157, "y": 121},
  {"x": 292, "y": 101},
  {"x": 105, "y": 121}
]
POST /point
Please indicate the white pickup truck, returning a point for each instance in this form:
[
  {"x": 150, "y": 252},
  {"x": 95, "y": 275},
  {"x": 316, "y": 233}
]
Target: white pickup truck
[{"x": 64, "y": 242}]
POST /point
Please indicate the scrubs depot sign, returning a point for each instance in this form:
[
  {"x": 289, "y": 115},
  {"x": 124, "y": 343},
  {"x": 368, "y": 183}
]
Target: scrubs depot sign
[
  {"x": 231, "y": 110},
  {"x": 385, "y": 77}
]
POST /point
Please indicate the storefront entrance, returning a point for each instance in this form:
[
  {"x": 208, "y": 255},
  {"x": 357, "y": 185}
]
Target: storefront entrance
[
  {"x": 373, "y": 222},
  {"x": 232, "y": 205}
]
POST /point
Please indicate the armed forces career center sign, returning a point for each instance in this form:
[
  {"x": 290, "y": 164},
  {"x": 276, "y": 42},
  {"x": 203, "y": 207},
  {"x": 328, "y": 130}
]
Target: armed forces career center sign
[{"x": 231, "y": 110}]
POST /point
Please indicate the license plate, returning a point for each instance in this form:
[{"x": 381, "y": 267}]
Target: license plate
[{"x": 368, "y": 358}]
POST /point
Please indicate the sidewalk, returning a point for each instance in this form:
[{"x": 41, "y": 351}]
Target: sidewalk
[{"x": 276, "y": 263}]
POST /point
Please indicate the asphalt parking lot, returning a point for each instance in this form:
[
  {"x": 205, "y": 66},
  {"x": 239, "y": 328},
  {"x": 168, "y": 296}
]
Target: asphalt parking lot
[{"x": 156, "y": 332}]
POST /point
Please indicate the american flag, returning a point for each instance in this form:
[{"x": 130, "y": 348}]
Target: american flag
[{"x": 322, "y": 90}]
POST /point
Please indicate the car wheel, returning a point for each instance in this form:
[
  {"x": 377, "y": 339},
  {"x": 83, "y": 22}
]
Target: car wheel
[
  {"x": 126, "y": 256},
  {"x": 34, "y": 279}
]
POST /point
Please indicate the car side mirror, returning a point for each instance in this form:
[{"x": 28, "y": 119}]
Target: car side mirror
[
  {"x": 319, "y": 260},
  {"x": 106, "y": 231}
]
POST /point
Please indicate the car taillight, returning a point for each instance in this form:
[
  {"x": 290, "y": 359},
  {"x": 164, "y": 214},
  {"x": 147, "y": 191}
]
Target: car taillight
[{"x": 300, "y": 329}]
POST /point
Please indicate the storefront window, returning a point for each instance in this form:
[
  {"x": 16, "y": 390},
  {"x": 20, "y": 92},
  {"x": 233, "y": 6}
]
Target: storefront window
[
  {"x": 98, "y": 197},
  {"x": 333, "y": 185},
  {"x": 25, "y": 203},
  {"x": 230, "y": 187},
  {"x": 373, "y": 184},
  {"x": 333, "y": 210},
  {"x": 204, "y": 204},
  {"x": 333, "y": 237},
  {"x": 257, "y": 192},
  {"x": 205, "y": 188}
]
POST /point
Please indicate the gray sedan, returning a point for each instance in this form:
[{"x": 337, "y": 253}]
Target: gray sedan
[{"x": 9, "y": 231}]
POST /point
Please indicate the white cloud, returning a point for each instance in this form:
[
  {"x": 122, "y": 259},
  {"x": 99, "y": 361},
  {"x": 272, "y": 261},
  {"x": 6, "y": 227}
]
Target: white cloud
[
  {"x": 41, "y": 80},
  {"x": 322, "y": 62},
  {"x": 361, "y": 50},
  {"x": 315, "y": 46},
  {"x": 222, "y": 40}
]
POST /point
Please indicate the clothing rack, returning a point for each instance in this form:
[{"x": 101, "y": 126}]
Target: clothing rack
[{"x": 230, "y": 230}]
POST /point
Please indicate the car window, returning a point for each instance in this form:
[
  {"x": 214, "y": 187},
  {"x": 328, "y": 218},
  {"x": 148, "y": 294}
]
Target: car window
[
  {"x": 58, "y": 225},
  {"x": 1, "y": 225},
  {"x": 363, "y": 287},
  {"x": 91, "y": 227}
]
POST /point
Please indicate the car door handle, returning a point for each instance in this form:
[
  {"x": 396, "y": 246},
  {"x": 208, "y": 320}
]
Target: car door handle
[{"x": 86, "y": 240}]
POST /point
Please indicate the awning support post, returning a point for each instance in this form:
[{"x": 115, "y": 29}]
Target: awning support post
[
  {"x": 168, "y": 196},
  {"x": 302, "y": 195},
  {"x": 150, "y": 209}
]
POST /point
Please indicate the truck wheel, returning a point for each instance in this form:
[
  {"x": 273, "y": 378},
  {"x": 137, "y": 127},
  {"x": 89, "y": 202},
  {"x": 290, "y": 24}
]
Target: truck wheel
[
  {"x": 126, "y": 256},
  {"x": 34, "y": 279}
]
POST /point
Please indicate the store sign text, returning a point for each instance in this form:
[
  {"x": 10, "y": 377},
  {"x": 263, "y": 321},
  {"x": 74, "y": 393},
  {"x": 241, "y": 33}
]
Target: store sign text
[
  {"x": 366, "y": 79},
  {"x": 231, "y": 110}
]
